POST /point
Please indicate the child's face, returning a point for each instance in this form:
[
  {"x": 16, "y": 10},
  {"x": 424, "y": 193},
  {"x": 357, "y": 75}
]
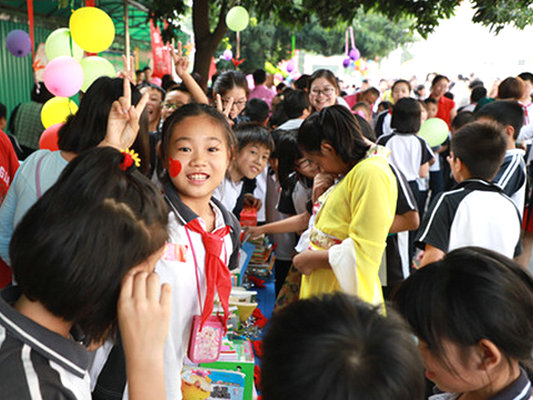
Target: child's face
[
  {"x": 239, "y": 100},
  {"x": 199, "y": 144},
  {"x": 432, "y": 110},
  {"x": 400, "y": 91},
  {"x": 252, "y": 160},
  {"x": 306, "y": 168},
  {"x": 459, "y": 372},
  {"x": 154, "y": 103}
]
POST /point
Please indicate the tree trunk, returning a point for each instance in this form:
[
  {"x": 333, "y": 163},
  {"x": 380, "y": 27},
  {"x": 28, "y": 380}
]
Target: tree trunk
[{"x": 206, "y": 42}]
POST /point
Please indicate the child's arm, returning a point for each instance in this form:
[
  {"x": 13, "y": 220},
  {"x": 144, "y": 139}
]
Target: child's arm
[
  {"x": 181, "y": 64},
  {"x": 431, "y": 254},
  {"x": 296, "y": 223},
  {"x": 408, "y": 221},
  {"x": 144, "y": 318},
  {"x": 424, "y": 170}
]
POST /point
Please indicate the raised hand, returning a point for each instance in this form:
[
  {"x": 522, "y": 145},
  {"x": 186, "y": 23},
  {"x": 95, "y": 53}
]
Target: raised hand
[
  {"x": 129, "y": 70},
  {"x": 123, "y": 119},
  {"x": 181, "y": 63}
]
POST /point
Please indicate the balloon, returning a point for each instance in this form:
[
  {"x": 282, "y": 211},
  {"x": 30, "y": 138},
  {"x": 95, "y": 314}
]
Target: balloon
[
  {"x": 63, "y": 76},
  {"x": 435, "y": 131},
  {"x": 228, "y": 54},
  {"x": 60, "y": 43},
  {"x": 92, "y": 29},
  {"x": 354, "y": 54},
  {"x": 156, "y": 81},
  {"x": 237, "y": 18},
  {"x": 56, "y": 110},
  {"x": 93, "y": 68},
  {"x": 49, "y": 138},
  {"x": 278, "y": 77},
  {"x": 18, "y": 43},
  {"x": 290, "y": 66},
  {"x": 346, "y": 62},
  {"x": 250, "y": 80}
]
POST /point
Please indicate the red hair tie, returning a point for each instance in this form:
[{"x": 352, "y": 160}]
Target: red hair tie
[{"x": 130, "y": 160}]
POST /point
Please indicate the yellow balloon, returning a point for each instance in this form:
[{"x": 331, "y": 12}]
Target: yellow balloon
[
  {"x": 92, "y": 29},
  {"x": 56, "y": 110}
]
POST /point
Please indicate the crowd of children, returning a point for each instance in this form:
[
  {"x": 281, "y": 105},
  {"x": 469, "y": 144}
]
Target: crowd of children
[{"x": 123, "y": 252}]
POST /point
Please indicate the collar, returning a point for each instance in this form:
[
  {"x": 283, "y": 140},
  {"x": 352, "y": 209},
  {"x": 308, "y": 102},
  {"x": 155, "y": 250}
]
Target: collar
[
  {"x": 519, "y": 389},
  {"x": 478, "y": 184},
  {"x": 66, "y": 352},
  {"x": 184, "y": 213}
]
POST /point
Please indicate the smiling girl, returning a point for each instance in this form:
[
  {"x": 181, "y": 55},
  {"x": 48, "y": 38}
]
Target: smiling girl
[{"x": 197, "y": 144}]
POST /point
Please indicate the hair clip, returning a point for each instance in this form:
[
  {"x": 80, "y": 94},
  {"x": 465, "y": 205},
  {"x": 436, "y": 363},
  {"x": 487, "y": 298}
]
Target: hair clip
[{"x": 131, "y": 160}]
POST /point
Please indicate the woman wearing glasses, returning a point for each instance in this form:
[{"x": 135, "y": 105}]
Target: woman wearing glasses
[
  {"x": 231, "y": 90},
  {"x": 324, "y": 90}
]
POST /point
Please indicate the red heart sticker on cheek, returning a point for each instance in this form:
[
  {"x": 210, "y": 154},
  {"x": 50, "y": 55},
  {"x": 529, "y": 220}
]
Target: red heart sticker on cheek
[{"x": 174, "y": 167}]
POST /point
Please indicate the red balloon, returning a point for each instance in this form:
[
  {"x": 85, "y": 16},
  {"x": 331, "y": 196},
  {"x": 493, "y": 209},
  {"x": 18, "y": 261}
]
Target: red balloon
[{"x": 49, "y": 138}]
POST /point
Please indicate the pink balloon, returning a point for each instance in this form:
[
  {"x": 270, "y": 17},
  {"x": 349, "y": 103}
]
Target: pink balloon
[
  {"x": 250, "y": 80},
  {"x": 228, "y": 54},
  {"x": 49, "y": 137},
  {"x": 290, "y": 66},
  {"x": 278, "y": 77},
  {"x": 156, "y": 81},
  {"x": 63, "y": 76}
]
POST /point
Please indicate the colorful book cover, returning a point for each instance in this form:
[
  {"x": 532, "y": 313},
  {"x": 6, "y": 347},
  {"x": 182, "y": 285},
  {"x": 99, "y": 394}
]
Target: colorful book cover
[{"x": 211, "y": 384}]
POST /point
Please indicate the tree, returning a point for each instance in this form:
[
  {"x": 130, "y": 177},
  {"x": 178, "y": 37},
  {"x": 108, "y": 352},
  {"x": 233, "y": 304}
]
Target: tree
[
  {"x": 264, "y": 41},
  {"x": 209, "y": 23}
]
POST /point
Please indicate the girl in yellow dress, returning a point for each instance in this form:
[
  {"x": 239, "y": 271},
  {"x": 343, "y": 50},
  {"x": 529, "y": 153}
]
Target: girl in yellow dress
[{"x": 353, "y": 217}]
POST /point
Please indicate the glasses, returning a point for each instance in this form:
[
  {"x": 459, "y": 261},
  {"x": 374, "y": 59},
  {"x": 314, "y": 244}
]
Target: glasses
[
  {"x": 240, "y": 103},
  {"x": 172, "y": 106},
  {"x": 326, "y": 91},
  {"x": 304, "y": 163}
]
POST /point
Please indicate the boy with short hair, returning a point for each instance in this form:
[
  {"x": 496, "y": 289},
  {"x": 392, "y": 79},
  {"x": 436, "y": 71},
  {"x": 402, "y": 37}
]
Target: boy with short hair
[
  {"x": 511, "y": 176},
  {"x": 477, "y": 212},
  {"x": 242, "y": 181},
  {"x": 297, "y": 107}
]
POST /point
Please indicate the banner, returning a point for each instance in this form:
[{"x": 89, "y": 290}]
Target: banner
[{"x": 161, "y": 58}]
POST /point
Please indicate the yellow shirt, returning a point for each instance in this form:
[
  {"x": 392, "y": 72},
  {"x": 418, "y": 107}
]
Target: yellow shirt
[{"x": 360, "y": 207}]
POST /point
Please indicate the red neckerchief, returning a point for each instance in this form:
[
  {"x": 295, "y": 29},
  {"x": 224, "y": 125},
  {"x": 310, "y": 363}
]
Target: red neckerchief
[{"x": 217, "y": 273}]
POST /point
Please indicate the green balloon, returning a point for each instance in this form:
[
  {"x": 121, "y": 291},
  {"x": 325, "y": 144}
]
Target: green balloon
[
  {"x": 237, "y": 18},
  {"x": 93, "y": 68},
  {"x": 434, "y": 131},
  {"x": 60, "y": 43}
]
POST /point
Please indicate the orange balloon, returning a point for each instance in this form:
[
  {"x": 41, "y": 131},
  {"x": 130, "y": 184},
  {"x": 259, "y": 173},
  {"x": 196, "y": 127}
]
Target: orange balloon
[{"x": 50, "y": 137}]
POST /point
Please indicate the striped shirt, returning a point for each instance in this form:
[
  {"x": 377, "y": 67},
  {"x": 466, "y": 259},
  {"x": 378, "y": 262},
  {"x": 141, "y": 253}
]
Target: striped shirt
[
  {"x": 512, "y": 177},
  {"x": 36, "y": 363}
]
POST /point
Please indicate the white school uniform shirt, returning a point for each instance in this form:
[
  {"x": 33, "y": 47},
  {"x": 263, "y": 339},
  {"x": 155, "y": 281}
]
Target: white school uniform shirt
[
  {"x": 182, "y": 278},
  {"x": 260, "y": 193},
  {"x": 228, "y": 192}
]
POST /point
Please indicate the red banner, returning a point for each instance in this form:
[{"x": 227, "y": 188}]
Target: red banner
[
  {"x": 160, "y": 55},
  {"x": 30, "y": 21}
]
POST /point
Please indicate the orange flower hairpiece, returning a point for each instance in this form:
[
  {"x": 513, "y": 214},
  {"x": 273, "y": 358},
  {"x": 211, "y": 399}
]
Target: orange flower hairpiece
[{"x": 130, "y": 159}]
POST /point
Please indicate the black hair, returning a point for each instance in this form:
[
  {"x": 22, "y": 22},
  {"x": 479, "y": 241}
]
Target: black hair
[
  {"x": 194, "y": 110},
  {"x": 419, "y": 89},
  {"x": 86, "y": 232},
  {"x": 511, "y": 88},
  {"x": 406, "y": 116},
  {"x": 87, "y": 128},
  {"x": 481, "y": 147},
  {"x": 366, "y": 129},
  {"x": 337, "y": 126},
  {"x": 504, "y": 112},
  {"x": 295, "y": 102},
  {"x": 469, "y": 295},
  {"x": 147, "y": 68},
  {"x": 437, "y": 79},
  {"x": 431, "y": 100},
  {"x": 279, "y": 116},
  {"x": 338, "y": 347},
  {"x": 280, "y": 87},
  {"x": 302, "y": 83},
  {"x": 372, "y": 90},
  {"x": 167, "y": 82},
  {"x": 152, "y": 86},
  {"x": 462, "y": 118},
  {"x": 3, "y": 111},
  {"x": 449, "y": 95},
  {"x": 228, "y": 80},
  {"x": 259, "y": 76},
  {"x": 257, "y": 110},
  {"x": 475, "y": 83},
  {"x": 362, "y": 104},
  {"x": 385, "y": 105},
  {"x": 326, "y": 74},
  {"x": 478, "y": 92},
  {"x": 526, "y": 76},
  {"x": 288, "y": 153},
  {"x": 253, "y": 133},
  {"x": 40, "y": 94},
  {"x": 399, "y": 82}
]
